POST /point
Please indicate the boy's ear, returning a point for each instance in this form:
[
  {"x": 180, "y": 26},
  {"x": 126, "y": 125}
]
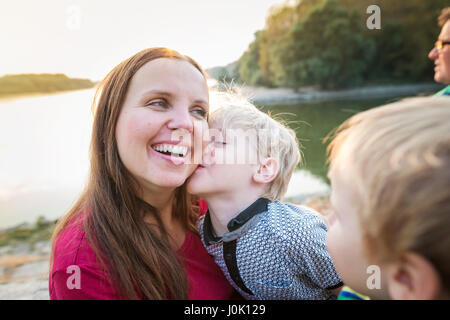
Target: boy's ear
[
  {"x": 267, "y": 171},
  {"x": 415, "y": 278}
]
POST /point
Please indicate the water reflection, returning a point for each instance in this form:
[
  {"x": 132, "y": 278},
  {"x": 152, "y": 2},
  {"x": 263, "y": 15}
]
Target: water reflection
[
  {"x": 44, "y": 145},
  {"x": 313, "y": 121}
]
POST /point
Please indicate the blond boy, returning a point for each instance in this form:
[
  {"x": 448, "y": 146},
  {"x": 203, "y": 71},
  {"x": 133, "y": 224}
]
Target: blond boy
[
  {"x": 267, "y": 249},
  {"x": 390, "y": 180}
]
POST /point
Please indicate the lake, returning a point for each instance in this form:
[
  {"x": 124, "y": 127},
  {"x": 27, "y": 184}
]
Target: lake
[{"x": 44, "y": 143}]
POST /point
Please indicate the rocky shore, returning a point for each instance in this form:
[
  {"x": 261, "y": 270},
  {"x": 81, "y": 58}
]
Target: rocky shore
[
  {"x": 24, "y": 272},
  {"x": 24, "y": 261},
  {"x": 271, "y": 96},
  {"x": 25, "y": 255}
]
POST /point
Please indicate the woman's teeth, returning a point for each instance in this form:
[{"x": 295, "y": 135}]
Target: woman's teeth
[{"x": 179, "y": 151}]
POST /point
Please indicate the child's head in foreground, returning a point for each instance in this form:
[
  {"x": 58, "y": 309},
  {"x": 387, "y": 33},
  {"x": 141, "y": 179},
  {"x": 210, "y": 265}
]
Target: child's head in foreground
[
  {"x": 250, "y": 155},
  {"x": 390, "y": 181}
]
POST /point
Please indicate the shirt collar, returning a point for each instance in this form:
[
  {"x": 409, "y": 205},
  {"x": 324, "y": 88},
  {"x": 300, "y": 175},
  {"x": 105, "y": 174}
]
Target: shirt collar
[{"x": 259, "y": 206}]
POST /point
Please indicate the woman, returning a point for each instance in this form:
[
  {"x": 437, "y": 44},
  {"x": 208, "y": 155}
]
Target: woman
[{"x": 131, "y": 234}]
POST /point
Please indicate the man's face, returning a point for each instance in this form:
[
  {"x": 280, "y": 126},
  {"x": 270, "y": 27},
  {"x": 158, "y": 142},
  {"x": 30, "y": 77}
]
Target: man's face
[{"x": 442, "y": 57}]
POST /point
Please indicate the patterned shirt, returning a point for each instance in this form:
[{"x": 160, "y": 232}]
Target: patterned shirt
[{"x": 274, "y": 250}]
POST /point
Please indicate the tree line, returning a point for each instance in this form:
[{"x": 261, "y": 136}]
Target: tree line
[
  {"x": 40, "y": 83},
  {"x": 326, "y": 43}
]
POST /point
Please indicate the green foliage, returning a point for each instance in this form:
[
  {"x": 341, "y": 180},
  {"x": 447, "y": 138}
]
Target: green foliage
[
  {"x": 249, "y": 70},
  {"x": 223, "y": 75},
  {"x": 41, "y": 231},
  {"x": 327, "y": 43},
  {"x": 409, "y": 29},
  {"x": 338, "y": 58},
  {"x": 40, "y": 83},
  {"x": 398, "y": 51},
  {"x": 279, "y": 21}
]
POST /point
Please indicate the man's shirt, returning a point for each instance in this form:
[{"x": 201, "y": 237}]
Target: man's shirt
[{"x": 444, "y": 92}]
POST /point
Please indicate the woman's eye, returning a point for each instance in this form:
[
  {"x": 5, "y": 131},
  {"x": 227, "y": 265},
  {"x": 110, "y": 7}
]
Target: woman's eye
[
  {"x": 158, "y": 103},
  {"x": 201, "y": 112}
]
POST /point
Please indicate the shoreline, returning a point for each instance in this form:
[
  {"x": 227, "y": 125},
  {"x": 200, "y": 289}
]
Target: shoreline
[
  {"x": 281, "y": 95},
  {"x": 273, "y": 96}
]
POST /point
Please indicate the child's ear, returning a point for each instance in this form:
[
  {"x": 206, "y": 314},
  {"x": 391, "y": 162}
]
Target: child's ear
[
  {"x": 415, "y": 278},
  {"x": 267, "y": 171}
]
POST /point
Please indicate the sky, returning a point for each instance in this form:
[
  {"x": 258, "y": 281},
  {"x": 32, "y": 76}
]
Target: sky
[{"x": 87, "y": 38}]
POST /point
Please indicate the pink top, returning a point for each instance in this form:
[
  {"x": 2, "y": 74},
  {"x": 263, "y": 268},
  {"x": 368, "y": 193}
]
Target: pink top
[{"x": 206, "y": 281}]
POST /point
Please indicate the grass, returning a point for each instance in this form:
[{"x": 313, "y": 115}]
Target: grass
[{"x": 41, "y": 230}]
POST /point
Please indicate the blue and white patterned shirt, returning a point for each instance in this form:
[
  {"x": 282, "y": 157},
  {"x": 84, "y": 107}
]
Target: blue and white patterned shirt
[{"x": 274, "y": 250}]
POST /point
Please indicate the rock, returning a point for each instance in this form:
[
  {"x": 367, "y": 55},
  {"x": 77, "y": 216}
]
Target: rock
[
  {"x": 3, "y": 270},
  {"x": 5, "y": 250},
  {"x": 32, "y": 289},
  {"x": 270, "y": 96},
  {"x": 42, "y": 248},
  {"x": 21, "y": 249},
  {"x": 31, "y": 270}
]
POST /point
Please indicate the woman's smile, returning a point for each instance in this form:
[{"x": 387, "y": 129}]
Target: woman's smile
[{"x": 172, "y": 152}]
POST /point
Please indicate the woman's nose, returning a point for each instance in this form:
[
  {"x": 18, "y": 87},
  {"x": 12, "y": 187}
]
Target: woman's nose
[
  {"x": 181, "y": 119},
  {"x": 434, "y": 54}
]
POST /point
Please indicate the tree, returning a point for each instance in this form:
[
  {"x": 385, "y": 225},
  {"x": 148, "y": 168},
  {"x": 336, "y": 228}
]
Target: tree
[
  {"x": 223, "y": 75},
  {"x": 327, "y": 48},
  {"x": 249, "y": 70},
  {"x": 278, "y": 22},
  {"x": 407, "y": 34},
  {"x": 324, "y": 42}
]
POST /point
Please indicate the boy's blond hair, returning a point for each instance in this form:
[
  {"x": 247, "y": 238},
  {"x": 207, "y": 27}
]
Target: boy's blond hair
[
  {"x": 273, "y": 138},
  {"x": 398, "y": 158}
]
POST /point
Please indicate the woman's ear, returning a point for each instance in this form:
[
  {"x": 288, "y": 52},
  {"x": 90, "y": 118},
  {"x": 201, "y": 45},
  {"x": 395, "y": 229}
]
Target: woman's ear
[
  {"x": 267, "y": 171},
  {"x": 414, "y": 278}
]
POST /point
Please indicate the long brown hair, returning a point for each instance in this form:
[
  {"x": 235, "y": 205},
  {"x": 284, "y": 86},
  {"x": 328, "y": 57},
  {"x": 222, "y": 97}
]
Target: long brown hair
[{"x": 139, "y": 258}]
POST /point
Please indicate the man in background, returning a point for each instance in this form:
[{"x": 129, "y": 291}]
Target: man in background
[{"x": 441, "y": 53}]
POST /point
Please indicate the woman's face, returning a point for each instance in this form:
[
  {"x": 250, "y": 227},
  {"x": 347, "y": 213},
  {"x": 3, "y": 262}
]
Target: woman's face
[{"x": 165, "y": 108}]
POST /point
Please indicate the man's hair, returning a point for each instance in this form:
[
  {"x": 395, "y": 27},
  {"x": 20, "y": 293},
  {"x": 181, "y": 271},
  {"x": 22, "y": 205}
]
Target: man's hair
[
  {"x": 397, "y": 157},
  {"x": 444, "y": 17},
  {"x": 270, "y": 137}
]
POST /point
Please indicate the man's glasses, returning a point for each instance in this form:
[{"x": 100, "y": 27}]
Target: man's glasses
[{"x": 440, "y": 44}]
